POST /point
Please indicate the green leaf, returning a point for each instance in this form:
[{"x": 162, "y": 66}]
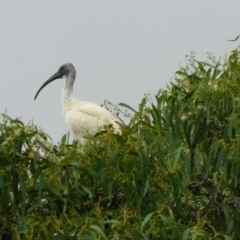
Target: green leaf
[
  {"x": 6, "y": 117},
  {"x": 190, "y": 93},
  {"x": 235, "y": 39},
  {"x": 228, "y": 219},
  {"x": 146, "y": 187},
  {"x": 145, "y": 220},
  {"x": 99, "y": 230},
  {"x": 88, "y": 191},
  {"x": 169, "y": 221},
  {"x": 127, "y": 106}
]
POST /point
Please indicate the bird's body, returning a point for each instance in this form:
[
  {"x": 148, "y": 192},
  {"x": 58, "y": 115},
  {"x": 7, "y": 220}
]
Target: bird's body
[
  {"x": 86, "y": 118},
  {"x": 82, "y": 118}
]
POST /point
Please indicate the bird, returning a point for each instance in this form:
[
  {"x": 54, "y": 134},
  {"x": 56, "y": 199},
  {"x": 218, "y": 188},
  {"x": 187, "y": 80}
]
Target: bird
[{"x": 82, "y": 118}]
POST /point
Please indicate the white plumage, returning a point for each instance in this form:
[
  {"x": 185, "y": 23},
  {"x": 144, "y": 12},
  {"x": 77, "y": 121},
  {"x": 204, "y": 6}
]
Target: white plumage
[{"x": 82, "y": 118}]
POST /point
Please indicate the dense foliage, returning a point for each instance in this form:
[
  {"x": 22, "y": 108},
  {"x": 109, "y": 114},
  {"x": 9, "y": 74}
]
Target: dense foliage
[{"x": 174, "y": 173}]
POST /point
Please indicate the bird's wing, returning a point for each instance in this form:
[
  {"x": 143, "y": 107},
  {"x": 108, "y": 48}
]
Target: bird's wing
[{"x": 84, "y": 118}]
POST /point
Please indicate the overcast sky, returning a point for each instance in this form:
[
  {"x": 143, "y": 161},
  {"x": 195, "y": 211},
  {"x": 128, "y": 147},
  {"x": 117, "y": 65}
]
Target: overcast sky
[{"x": 120, "y": 49}]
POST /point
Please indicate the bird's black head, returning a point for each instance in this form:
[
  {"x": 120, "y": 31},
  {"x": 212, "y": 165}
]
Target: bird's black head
[{"x": 67, "y": 70}]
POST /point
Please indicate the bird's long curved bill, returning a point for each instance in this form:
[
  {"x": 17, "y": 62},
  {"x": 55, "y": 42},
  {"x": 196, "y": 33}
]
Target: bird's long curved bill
[{"x": 57, "y": 75}]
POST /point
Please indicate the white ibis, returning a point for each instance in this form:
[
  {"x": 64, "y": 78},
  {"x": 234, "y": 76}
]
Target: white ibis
[{"x": 82, "y": 118}]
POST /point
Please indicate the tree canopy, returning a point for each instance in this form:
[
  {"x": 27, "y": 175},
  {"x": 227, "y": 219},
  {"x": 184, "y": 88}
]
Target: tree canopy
[{"x": 173, "y": 173}]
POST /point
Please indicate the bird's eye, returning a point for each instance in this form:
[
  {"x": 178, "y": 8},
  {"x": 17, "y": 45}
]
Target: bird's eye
[{"x": 61, "y": 69}]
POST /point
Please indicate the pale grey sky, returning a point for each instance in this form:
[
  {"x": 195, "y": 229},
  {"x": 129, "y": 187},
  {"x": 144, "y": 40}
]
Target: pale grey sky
[{"x": 120, "y": 49}]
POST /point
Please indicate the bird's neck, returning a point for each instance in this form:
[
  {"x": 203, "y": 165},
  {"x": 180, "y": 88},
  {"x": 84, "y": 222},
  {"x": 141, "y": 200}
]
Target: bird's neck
[{"x": 67, "y": 90}]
